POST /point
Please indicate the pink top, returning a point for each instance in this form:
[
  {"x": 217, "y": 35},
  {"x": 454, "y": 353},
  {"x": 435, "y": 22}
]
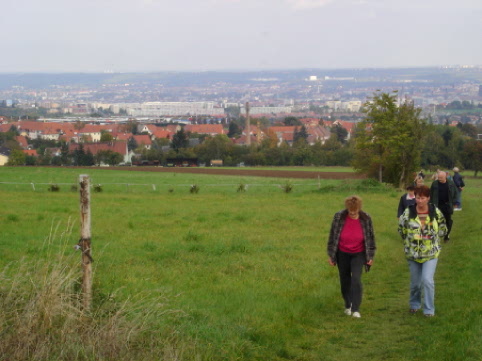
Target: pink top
[{"x": 351, "y": 237}]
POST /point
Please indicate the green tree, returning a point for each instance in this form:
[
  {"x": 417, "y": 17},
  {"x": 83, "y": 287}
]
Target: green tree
[
  {"x": 106, "y": 136},
  {"x": 388, "y": 140},
  {"x": 132, "y": 144},
  {"x": 340, "y": 132},
  {"x": 17, "y": 157},
  {"x": 291, "y": 121},
  {"x": 234, "y": 129},
  {"x": 301, "y": 135},
  {"x": 473, "y": 156},
  {"x": 179, "y": 140}
]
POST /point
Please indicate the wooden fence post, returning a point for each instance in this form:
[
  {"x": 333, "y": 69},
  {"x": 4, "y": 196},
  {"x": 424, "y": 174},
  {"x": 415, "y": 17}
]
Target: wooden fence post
[{"x": 85, "y": 241}]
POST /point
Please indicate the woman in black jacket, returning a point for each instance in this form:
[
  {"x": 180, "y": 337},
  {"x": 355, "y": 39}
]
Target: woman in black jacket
[{"x": 350, "y": 246}]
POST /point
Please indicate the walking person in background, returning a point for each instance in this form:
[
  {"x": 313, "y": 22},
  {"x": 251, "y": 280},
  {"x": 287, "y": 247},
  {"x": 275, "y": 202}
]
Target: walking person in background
[
  {"x": 422, "y": 226},
  {"x": 351, "y": 245},
  {"x": 408, "y": 199},
  {"x": 459, "y": 184},
  {"x": 443, "y": 194}
]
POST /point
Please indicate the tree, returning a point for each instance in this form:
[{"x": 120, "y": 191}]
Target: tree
[
  {"x": 108, "y": 157},
  {"x": 234, "y": 129},
  {"x": 106, "y": 136},
  {"x": 473, "y": 155},
  {"x": 291, "y": 121},
  {"x": 179, "y": 140},
  {"x": 301, "y": 135},
  {"x": 17, "y": 157},
  {"x": 388, "y": 140},
  {"x": 340, "y": 132},
  {"x": 132, "y": 144}
]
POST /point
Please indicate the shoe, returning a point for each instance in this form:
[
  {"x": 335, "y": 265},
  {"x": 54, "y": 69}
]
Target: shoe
[
  {"x": 348, "y": 311},
  {"x": 356, "y": 314},
  {"x": 457, "y": 209},
  {"x": 413, "y": 310},
  {"x": 429, "y": 315},
  {"x": 447, "y": 238}
]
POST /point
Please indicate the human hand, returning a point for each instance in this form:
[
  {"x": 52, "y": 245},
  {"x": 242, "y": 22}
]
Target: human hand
[
  {"x": 370, "y": 262},
  {"x": 330, "y": 261}
]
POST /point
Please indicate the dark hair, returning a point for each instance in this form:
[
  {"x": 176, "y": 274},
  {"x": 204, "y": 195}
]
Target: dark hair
[
  {"x": 423, "y": 191},
  {"x": 410, "y": 188}
]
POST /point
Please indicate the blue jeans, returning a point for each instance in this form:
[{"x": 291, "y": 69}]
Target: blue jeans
[
  {"x": 421, "y": 277},
  {"x": 458, "y": 201}
]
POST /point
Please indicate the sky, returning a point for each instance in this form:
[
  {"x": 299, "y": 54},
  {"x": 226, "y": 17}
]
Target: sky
[{"x": 203, "y": 35}]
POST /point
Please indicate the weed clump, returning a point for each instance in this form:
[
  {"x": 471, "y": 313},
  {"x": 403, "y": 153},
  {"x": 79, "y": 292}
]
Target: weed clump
[
  {"x": 54, "y": 188},
  {"x": 287, "y": 187},
  {"x": 242, "y": 188},
  {"x": 98, "y": 188},
  {"x": 194, "y": 189}
]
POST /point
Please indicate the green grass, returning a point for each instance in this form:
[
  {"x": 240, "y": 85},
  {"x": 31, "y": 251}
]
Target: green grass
[{"x": 246, "y": 273}]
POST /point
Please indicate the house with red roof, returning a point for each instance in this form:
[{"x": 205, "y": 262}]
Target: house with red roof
[
  {"x": 348, "y": 126},
  {"x": 31, "y": 152},
  {"x": 210, "y": 129},
  {"x": 22, "y": 140},
  {"x": 143, "y": 140},
  {"x": 116, "y": 146}
]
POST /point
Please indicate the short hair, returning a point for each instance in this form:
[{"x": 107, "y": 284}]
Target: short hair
[
  {"x": 353, "y": 203},
  {"x": 423, "y": 191},
  {"x": 410, "y": 188}
]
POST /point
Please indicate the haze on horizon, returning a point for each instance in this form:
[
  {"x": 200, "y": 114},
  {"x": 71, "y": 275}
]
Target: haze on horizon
[{"x": 194, "y": 35}]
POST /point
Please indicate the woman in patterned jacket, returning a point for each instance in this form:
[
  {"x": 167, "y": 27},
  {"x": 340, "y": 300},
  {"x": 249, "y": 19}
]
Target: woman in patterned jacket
[
  {"x": 422, "y": 226},
  {"x": 351, "y": 245}
]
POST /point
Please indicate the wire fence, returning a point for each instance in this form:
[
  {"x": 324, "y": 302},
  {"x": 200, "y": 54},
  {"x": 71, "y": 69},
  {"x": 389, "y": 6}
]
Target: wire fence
[{"x": 287, "y": 187}]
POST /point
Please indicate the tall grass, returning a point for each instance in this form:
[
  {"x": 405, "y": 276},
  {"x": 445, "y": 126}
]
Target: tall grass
[{"x": 42, "y": 317}]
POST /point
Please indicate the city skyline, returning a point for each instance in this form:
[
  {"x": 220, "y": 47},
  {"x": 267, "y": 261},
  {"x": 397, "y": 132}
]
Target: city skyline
[{"x": 159, "y": 35}]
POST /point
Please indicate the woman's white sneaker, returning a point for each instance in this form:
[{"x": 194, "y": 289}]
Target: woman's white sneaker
[
  {"x": 356, "y": 314},
  {"x": 348, "y": 311}
]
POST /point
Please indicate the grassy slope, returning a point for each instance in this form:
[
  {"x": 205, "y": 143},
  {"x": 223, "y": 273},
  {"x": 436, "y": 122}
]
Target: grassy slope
[{"x": 249, "y": 271}]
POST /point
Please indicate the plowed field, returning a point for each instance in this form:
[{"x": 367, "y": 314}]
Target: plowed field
[{"x": 249, "y": 172}]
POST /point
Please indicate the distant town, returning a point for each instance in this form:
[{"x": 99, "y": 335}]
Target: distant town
[{"x": 151, "y": 108}]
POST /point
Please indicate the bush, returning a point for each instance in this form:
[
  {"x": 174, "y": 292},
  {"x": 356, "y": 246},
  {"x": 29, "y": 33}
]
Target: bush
[
  {"x": 54, "y": 188},
  {"x": 194, "y": 189},
  {"x": 242, "y": 187},
  {"x": 97, "y": 188},
  {"x": 287, "y": 187}
]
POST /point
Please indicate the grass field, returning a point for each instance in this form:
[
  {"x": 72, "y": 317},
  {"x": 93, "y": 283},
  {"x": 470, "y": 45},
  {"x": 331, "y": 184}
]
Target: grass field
[{"x": 244, "y": 276}]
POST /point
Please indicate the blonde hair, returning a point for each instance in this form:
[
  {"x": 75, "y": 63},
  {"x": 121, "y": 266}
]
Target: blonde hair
[{"x": 353, "y": 203}]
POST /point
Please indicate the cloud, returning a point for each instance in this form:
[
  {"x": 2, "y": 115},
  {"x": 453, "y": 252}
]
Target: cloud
[{"x": 308, "y": 4}]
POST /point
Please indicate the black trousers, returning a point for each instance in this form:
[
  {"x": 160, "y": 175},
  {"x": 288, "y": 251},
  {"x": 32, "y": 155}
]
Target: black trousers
[
  {"x": 350, "y": 267},
  {"x": 445, "y": 209}
]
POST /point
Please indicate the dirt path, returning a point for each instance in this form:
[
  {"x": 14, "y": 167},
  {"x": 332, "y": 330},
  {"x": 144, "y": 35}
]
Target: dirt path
[{"x": 248, "y": 172}]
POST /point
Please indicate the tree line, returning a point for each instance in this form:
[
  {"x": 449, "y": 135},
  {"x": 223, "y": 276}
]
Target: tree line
[{"x": 390, "y": 144}]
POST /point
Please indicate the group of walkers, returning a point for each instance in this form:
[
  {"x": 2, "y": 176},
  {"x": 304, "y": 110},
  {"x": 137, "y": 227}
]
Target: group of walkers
[{"x": 424, "y": 221}]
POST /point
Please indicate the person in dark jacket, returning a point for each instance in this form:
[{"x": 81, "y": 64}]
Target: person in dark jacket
[
  {"x": 351, "y": 245},
  {"x": 408, "y": 199},
  {"x": 443, "y": 194},
  {"x": 459, "y": 184}
]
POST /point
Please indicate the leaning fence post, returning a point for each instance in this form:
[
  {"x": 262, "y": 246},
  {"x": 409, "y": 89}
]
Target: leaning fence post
[{"x": 85, "y": 241}]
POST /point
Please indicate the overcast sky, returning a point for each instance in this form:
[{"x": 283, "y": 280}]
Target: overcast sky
[{"x": 192, "y": 35}]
